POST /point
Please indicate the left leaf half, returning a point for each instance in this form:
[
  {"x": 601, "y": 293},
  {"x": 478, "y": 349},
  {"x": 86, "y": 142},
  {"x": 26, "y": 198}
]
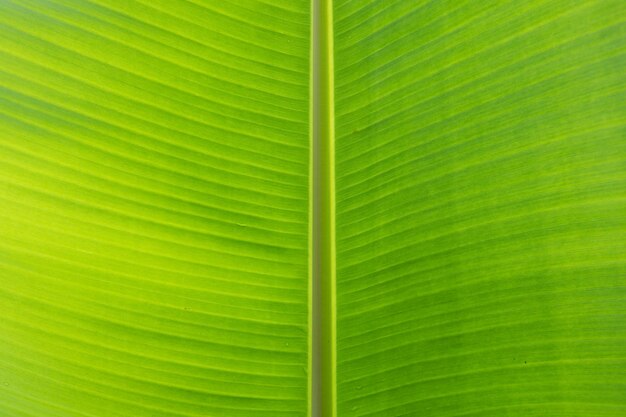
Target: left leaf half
[{"x": 154, "y": 208}]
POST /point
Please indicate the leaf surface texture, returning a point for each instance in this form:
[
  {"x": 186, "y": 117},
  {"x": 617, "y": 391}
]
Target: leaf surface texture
[
  {"x": 481, "y": 178},
  {"x": 154, "y": 184}
]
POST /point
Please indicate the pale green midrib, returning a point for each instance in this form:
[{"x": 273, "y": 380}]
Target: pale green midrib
[{"x": 323, "y": 301}]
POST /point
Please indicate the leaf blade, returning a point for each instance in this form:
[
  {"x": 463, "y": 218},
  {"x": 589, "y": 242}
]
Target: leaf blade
[
  {"x": 479, "y": 190},
  {"x": 155, "y": 208}
]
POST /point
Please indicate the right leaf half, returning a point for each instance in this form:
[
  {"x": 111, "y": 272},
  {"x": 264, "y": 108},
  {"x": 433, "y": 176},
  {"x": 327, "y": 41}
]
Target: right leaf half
[{"x": 481, "y": 208}]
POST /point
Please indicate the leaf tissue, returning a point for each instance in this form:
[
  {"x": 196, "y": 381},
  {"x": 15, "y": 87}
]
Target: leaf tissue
[{"x": 320, "y": 208}]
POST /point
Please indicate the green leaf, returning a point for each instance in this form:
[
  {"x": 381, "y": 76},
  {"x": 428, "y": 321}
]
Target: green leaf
[
  {"x": 154, "y": 189},
  {"x": 481, "y": 208},
  {"x": 312, "y": 208}
]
